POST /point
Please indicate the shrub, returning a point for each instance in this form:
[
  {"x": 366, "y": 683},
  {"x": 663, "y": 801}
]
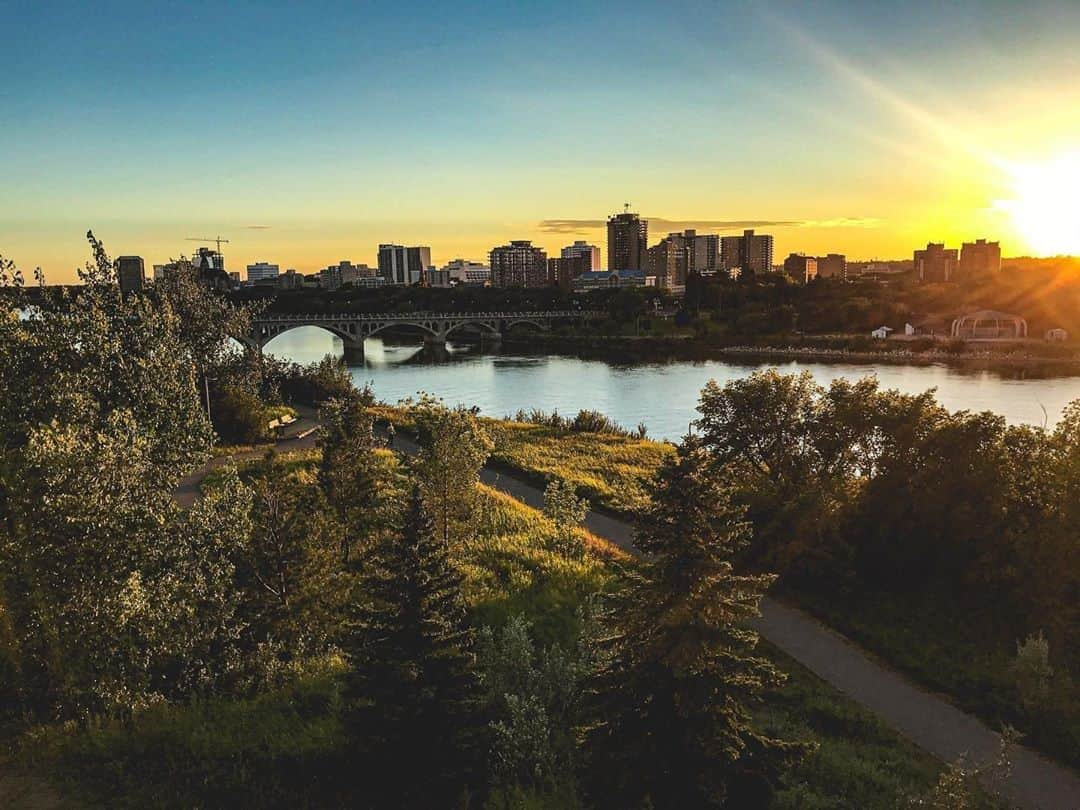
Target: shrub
[{"x": 1032, "y": 670}]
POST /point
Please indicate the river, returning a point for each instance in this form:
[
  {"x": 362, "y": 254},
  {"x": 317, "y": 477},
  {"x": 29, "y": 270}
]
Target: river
[{"x": 661, "y": 395}]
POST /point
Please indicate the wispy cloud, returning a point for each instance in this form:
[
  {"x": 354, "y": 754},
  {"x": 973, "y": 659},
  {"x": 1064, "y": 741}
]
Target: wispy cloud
[
  {"x": 255, "y": 227},
  {"x": 658, "y": 225}
]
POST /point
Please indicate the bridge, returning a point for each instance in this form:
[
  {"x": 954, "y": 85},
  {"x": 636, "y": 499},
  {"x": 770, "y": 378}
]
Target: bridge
[{"x": 354, "y": 327}]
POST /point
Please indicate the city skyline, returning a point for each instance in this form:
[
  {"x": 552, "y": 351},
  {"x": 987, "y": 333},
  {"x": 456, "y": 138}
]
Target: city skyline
[{"x": 308, "y": 138}]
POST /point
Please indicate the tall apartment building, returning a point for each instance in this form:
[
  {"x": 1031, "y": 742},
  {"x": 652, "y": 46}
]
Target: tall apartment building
[
  {"x": 518, "y": 264},
  {"x": 935, "y": 263},
  {"x": 801, "y": 268},
  {"x": 562, "y": 272},
  {"x": 979, "y": 259},
  {"x": 131, "y": 273},
  {"x": 750, "y": 252},
  {"x": 833, "y": 265},
  {"x": 463, "y": 271},
  {"x": 702, "y": 250},
  {"x": 261, "y": 271},
  {"x": 404, "y": 265},
  {"x": 582, "y": 249},
  {"x": 627, "y": 241},
  {"x": 667, "y": 262}
]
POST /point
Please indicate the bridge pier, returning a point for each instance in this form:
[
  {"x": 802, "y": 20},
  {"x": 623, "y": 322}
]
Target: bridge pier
[{"x": 354, "y": 352}]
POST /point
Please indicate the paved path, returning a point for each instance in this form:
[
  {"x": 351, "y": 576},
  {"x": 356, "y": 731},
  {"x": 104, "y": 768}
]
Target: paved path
[{"x": 926, "y": 719}]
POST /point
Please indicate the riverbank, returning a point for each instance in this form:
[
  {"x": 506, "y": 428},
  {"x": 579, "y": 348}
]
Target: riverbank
[{"x": 1040, "y": 359}]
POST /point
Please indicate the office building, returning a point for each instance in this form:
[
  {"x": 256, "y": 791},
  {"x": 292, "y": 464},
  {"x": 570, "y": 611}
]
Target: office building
[
  {"x": 518, "y": 264},
  {"x": 344, "y": 272},
  {"x": 563, "y": 271},
  {"x": 131, "y": 273},
  {"x": 404, "y": 265},
  {"x": 627, "y": 241},
  {"x": 702, "y": 250},
  {"x": 833, "y": 265},
  {"x": 750, "y": 252},
  {"x": 935, "y": 264},
  {"x": 801, "y": 268},
  {"x": 582, "y": 249},
  {"x": 465, "y": 272},
  {"x": 979, "y": 259},
  {"x": 261, "y": 271}
]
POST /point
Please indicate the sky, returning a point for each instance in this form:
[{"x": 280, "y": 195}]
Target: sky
[{"x": 307, "y": 133}]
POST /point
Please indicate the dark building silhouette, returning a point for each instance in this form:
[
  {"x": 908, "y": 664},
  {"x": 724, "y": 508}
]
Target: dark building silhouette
[
  {"x": 834, "y": 265},
  {"x": 750, "y": 252},
  {"x": 935, "y": 263},
  {"x": 562, "y": 272},
  {"x": 404, "y": 265},
  {"x": 801, "y": 268},
  {"x": 627, "y": 241},
  {"x": 979, "y": 259},
  {"x": 518, "y": 264},
  {"x": 131, "y": 273}
]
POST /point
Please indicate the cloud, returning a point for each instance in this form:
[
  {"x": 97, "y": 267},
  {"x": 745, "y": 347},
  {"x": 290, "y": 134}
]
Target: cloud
[
  {"x": 255, "y": 227},
  {"x": 659, "y": 225}
]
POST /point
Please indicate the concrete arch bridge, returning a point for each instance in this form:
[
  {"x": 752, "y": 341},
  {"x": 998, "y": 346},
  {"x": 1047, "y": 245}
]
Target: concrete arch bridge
[{"x": 354, "y": 327}]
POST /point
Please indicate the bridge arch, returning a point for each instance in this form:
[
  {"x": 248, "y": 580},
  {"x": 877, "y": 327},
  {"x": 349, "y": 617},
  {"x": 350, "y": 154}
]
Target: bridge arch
[
  {"x": 519, "y": 321},
  {"x": 349, "y": 339},
  {"x": 485, "y": 325},
  {"x": 413, "y": 324}
]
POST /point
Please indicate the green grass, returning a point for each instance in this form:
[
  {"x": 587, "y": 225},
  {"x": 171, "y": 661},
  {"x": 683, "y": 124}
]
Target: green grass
[
  {"x": 937, "y": 645},
  {"x": 285, "y": 748}
]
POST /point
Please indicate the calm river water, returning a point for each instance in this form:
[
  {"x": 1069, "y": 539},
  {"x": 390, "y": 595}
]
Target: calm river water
[{"x": 660, "y": 394}]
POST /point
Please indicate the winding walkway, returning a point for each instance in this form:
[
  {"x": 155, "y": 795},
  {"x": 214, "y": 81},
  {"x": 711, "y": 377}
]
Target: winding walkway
[{"x": 928, "y": 720}]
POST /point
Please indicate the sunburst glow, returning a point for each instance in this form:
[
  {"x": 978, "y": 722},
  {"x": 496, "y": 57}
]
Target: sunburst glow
[{"x": 1045, "y": 207}]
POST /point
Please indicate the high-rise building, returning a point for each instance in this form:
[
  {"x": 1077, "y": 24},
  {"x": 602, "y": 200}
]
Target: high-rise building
[
  {"x": 834, "y": 265},
  {"x": 131, "y": 273},
  {"x": 667, "y": 262},
  {"x": 463, "y": 271},
  {"x": 404, "y": 265},
  {"x": 979, "y": 259},
  {"x": 290, "y": 280},
  {"x": 580, "y": 249},
  {"x": 261, "y": 271},
  {"x": 935, "y": 263},
  {"x": 747, "y": 253},
  {"x": 563, "y": 271},
  {"x": 801, "y": 268},
  {"x": 702, "y": 250},
  {"x": 518, "y": 264},
  {"x": 627, "y": 241}
]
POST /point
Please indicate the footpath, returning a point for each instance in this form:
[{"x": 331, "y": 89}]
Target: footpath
[{"x": 928, "y": 720}]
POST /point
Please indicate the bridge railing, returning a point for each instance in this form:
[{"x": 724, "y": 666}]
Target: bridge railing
[{"x": 416, "y": 316}]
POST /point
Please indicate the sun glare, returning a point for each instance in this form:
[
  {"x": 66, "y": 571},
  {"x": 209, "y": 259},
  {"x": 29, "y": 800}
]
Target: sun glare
[{"x": 1045, "y": 208}]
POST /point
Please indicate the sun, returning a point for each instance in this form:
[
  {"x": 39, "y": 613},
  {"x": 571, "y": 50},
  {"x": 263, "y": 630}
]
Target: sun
[{"x": 1045, "y": 206}]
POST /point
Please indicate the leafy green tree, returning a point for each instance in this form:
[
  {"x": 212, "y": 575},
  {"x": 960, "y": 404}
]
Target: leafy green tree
[
  {"x": 412, "y": 687},
  {"x": 454, "y": 447},
  {"x": 291, "y": 564},
  {"x": 533, "y": 697},
  {"x": 567, "y": 511},
  {"x": 348, "y": 470},
  {"x": 670, "y": 717}
]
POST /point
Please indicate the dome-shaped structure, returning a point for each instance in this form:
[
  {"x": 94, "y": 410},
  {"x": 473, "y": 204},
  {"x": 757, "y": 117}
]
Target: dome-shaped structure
[{"x": 989, "y": 324}]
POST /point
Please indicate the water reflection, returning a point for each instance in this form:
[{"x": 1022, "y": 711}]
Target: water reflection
[{"x": 660, "y": 394}]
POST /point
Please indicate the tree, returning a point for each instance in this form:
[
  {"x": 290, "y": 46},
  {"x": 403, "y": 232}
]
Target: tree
[
  {"x": 567, "y": 511},
  {"x": 412, "y": 688},
  {"x": 453, "y": 449},
  {"x": 669, "y": 720},
  {"x": 532, "y": 697}
]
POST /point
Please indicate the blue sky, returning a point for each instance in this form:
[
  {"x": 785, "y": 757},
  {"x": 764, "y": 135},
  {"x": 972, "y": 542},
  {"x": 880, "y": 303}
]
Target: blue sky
[{"x": 333, "y": 126}]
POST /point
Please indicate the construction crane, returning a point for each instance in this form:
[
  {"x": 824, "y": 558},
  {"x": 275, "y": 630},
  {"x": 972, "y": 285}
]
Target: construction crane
[{"x": 216, "y": 239}]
